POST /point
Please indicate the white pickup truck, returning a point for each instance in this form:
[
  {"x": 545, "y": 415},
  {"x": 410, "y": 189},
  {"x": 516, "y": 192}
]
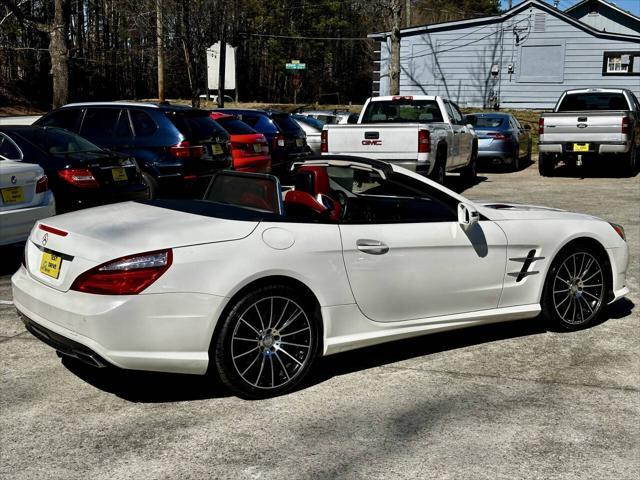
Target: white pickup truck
[
  {"x": 591, "y": 124},
  {"x": 423, "y": 133}
]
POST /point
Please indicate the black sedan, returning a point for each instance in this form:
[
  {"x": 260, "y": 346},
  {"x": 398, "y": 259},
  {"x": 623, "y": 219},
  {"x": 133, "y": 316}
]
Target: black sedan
[
  {"x": 501, "y": 138},
  {"x": 80, "y": 173}
]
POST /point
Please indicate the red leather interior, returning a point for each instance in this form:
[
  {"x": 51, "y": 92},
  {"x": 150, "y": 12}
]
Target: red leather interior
[
  {"x": 305, "y": 199},
  {"x": 320, "y": 178}
]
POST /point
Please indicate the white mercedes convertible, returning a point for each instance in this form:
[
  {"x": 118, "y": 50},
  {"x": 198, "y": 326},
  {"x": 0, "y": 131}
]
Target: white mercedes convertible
[{"x": 256, "y": 280}]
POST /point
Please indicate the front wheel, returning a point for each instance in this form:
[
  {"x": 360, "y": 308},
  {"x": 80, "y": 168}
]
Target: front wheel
[
  {"x": 575, "y": 289},
  {"x": 267, "y": 343}
]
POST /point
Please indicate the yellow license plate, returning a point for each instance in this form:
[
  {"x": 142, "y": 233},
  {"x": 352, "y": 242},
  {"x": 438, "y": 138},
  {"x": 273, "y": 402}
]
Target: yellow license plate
[
  {"x": 216, "y": 149},
  {"x": 119, "y": 174},
  {"x": 580, "y": 147},
  {"x": 257, "y": 148},
  {"x": 50, "y": 264},
  {"x": 12, "y": 195},
  {"x": 299, "y": 142}
]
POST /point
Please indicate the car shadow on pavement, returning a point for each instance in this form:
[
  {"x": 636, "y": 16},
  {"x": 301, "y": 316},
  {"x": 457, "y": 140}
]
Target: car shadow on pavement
[
  {"x": 592, "y": 171},
  {"x": 153, "y": 387},
  {"x": 11, "y": 256},
  {"x": 499, "y": 168},
  {"x": 459, "y": 184},
  {"x": 148, "y": 387}
]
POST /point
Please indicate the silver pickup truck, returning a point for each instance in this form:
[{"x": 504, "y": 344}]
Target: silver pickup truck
[
  {"x": 591, "y": 124},
  {"x": 423, "y": 133}
]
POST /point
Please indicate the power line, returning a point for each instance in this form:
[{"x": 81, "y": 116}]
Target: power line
[{"x": 292, "y": 37}]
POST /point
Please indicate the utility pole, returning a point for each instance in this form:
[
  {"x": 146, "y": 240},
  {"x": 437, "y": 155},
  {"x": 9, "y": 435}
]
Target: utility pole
[
  {"x": 394, "y": 66},
  {"x": 221, "y": 71},
  {"x": 407, "y": 13},
  {"x": 160, "y": 43},
  {"x": 510, "y": 4}
]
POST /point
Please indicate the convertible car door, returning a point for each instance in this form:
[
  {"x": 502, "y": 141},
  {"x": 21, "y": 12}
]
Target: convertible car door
[{"x": 404, "y": 271}]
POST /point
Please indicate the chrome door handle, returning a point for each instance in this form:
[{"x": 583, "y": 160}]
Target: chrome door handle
[{"x": 372, "y": 247}]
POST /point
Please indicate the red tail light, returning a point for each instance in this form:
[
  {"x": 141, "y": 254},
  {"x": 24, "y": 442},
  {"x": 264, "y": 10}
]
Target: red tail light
[
  {"x": 626, "y": 126},
  {"x": 55, "y": 231},
  {"x": 324, "y": 141},
  {"x": 424, "y": 141},
  {"x": 499, "y": 135},
  {"x": 126, "y": 275},
  {"x": 278, "y": 140},
  {"x": 184, "y": 149},
  {"x": 42, "y": 185},
  {"x": 541, "y": 126},
  {"x": 79, "y": 177}
]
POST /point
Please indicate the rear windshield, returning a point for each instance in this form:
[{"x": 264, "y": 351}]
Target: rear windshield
[
  {"x": 285, "y": 123},
  {"x": 402, "y": 111},
  {"x": 485, "y": 122},
  {"x": 577, "y": 102},
  {"x": 257, "y": 193},
  {"x": 310, "y": 121},
  {"x": 58, "y": 141},
  {"x": 235, "y": 126},
  {"x": 196, "y": 125}
]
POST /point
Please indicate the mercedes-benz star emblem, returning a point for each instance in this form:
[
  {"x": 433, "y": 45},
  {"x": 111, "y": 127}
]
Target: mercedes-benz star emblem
[
  {"x": 45, "y": 239},
  {"x": 14, "y": 179}
]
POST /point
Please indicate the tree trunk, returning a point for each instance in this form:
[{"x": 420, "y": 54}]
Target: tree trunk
[
  {"x": 59, "y": 52},
  {"x": 394, "y": 66}
]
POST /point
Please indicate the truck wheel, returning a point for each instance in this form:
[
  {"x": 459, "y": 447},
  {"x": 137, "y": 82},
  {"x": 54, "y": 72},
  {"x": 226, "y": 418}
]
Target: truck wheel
[
  {"x": 470, "y": 172},
  {"x": 546, "y": 164},
  {"x": 438, "y": 171},
  {"x": 631, "y": 162}
]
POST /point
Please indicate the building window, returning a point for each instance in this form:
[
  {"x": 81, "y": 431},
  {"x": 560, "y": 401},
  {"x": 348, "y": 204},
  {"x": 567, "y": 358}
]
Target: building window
[{"x": 621, "y": 63}]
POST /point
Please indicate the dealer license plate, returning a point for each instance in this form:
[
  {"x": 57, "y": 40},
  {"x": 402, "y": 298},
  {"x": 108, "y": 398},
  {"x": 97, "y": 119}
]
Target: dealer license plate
[
  {"x": 119, "y": 174},
  {"x": 50, "y": 264},
  {"x": 12, "y": 195},
  {"x": 580, "y": 147},
  {"x": 216, "y": 149}
]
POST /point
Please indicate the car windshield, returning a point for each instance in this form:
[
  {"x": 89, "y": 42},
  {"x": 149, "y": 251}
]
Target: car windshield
[
  {"x": 285, "y": 123},
  {"x": 57, "y": 141},
  {"x": 577, "y": 102},
  {"x": 256, "y": 192},
  {"x": 309, "y": 121},
  {"x": 485, "y": 122},
  {"x": 402, "y": 111}
]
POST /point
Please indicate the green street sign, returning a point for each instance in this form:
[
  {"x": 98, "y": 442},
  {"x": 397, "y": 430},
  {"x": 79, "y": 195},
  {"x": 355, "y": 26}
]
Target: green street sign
[{"x": 296, "y": 66}]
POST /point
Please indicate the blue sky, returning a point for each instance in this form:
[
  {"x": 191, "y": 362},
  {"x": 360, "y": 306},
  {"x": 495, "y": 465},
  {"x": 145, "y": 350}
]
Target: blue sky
[{"x": 632, "y": 6}]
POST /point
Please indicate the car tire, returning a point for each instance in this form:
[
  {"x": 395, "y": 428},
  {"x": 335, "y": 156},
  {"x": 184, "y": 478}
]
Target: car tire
[
  {"x": 151, "y": 183},
  {"x": 575, "y": 289},
  {"x": 631, "y": 162},
  {"x": 546, "y": 165},
  {"x": 470, "y": 172},
  {"x": 438, "y": 171},
  {"x": 515, "y": 163},
  {"x": 268, "y": 342}
]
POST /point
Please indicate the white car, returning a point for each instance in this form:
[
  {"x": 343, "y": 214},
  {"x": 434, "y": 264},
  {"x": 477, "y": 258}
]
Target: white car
[
  {"x": 25, "y": 197},
  {"x": 255, "y": 283}
]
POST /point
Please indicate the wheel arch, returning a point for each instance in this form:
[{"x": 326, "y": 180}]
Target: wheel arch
[
  {"x": 588, "y": 241},
  {"x": 271, "y": 279}
]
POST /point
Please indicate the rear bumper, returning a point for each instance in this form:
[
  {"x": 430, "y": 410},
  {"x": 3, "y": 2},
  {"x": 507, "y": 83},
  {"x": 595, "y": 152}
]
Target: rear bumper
[
  {"x": 493, "y": 154},
  {"x": 594, "y": 148},
  {"x": 15, "y": 225},
  {"x": 619, "y": 260},
  {"x": 168, "y": 332}
]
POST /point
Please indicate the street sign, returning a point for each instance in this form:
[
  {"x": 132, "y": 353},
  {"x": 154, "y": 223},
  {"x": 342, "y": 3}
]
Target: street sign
[
  {"x": 213, "y": 65},
  {"x": 296, "y": 66}
]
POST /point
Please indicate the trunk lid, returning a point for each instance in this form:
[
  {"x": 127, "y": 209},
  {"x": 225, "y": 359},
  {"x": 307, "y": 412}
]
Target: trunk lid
[
  {"x": 583, "y": 127},
  {"x": 87, "y": 238},
  {"x": 17, "y": 184}
]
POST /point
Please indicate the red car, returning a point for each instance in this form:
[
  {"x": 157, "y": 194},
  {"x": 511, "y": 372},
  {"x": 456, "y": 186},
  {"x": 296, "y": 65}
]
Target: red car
[{"x": 249, "y": 149}]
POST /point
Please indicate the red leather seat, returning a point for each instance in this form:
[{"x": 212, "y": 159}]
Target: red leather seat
[
  {"x": 313, "y": 203},
  {"x": 312, "y": 179}
]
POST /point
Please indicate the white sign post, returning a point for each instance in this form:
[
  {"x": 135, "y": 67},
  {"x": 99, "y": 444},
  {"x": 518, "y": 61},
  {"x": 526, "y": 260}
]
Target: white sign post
[{"x": 213, "y": 67}]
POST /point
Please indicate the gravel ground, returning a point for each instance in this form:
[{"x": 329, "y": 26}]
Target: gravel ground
[{"x": 505, "y": 401}]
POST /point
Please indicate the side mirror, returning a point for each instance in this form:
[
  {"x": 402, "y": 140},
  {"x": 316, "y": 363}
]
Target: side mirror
[
  {"x": 468, "y": 216},
  {"x": 527, "y": 126}
]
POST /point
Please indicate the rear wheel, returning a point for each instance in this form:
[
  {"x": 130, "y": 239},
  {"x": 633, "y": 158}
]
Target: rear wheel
[
  {"x": 268, "y": 342},
  {"x": 575, "y": 288},
  {"x": 515, "y": 164},
  {"x": 151, "y": 183},
  {"x": 546, "y": 164},
  {"x": 631, "y": 162},
  {"x": 470, "y": 172},
  {"x": 438, "y": 171}
]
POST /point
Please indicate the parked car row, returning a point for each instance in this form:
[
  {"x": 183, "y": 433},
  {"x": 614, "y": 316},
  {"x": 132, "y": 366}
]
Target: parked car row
[{"x": 97, "y": 153}]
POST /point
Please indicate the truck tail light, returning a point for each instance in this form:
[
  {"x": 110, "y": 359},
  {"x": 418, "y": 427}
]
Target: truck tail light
[
  {"x": 324, "y": 141},
  {"x": 626, "y": 126},
  {"x": 541, "y": 126},
  {"x": 424, "y": 141},
  {"x": 184, "y": 149},
  {"x": 79, "y": 177},
  {"x": 126, "y": 275},
  {"x": 42, "y": 185}
]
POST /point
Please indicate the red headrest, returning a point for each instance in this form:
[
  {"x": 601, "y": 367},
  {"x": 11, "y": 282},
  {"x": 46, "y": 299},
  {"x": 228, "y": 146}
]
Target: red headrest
[{"x": 320, "y": 178}]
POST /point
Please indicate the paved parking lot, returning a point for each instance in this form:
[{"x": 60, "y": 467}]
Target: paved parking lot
[{"x": 500, "y": 402}]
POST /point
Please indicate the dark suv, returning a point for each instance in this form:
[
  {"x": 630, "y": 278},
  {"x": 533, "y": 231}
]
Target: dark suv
[
  {"x": 178, "y": 148},
  {"x": 287, "y": 141}
]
